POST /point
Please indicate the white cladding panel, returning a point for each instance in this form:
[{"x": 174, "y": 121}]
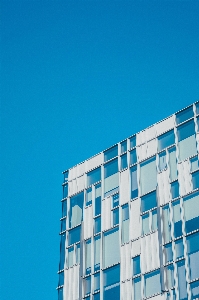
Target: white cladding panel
[
  {"x": 164, "y": 187},
  {"x": 111, "y": 182},
  {"x": 80, "y": 169},
  {"x": 135, "y": 247},
  {"x": 151, "y": 147},
  {"x": 184, "y": 177},
  {"x": 125, "y": 264},
  {"x": 150, "y": 252},
  {"x": 88, "y": 222},
  {"x": 135, "y": 226},
  {"x": 165, "y": 125},
  {"x": 126, "y": 290},
  {"x": 106, "y": 214},
  {"x": 80, "y": 183},
  {"x": 94, "y": 162},
  {"x": 72, "y": 174},
  {"x": 72, "y": 187},
  {"x": 150, "y": 133},
  {"x": 140, "y": 138},
  {"x": 124, "y": 187},
  {"x": 142, "y": 152}
]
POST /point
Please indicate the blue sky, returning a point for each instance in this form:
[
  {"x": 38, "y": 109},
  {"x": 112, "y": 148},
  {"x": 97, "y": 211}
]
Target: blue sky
[{"x": 77, "y": 77}]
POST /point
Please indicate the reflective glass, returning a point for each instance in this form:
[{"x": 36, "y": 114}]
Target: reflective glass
[
  {"x": 62, "y": 251},
  {"x": 70, "y": 256},
  {"x": 93, "y": 176},
  {"x": 97, "y": 227},
  {"x": 60, "y": 294},
  {"x": 148, "y": 201},
  {"x": 194, "y": 163},
  {"x": 96, "y": 296},
  {"x": 197, "y": 108},
  {"x": 166, "y": 223},
  {"x": 63, "y": 224},
  {"x": 137, "y": 288},
  {"x": 112, "y": 283},
  {"x": 110, "y": 168},
  {"x": 177, "y": 219},
  {"x": 111, "y": 175},
  {"x": 123, "y": 146},
  {"x": 169, "y": 276},
  {"x": 162, "y": 161},
  {"x": 145, "y": 224},
  {"x": 97, "y": 241},
  {"x": 175, "y": 189},
  {"x": 87, "y": 285},
  {"x": 88, "y": 257},
  {"x": 125, "y": 212},
  {"x": 111, "y": 249},
  {"x": 133, "y": 141},
  {"x": 179, "y": 248},
  {"x": 76, "y": 206},
  {"x": 74, "y": 235},
  {"x": 172, "y": 163},
  {"x": 116, "y": 216},
  {"x": 195, "y": 180},
  {"x": 61, "y": 278},
  {"x": 152, "y": 283},
  {"x": 168, "y": 253},
  {"x": 148, "y": 175},
  {"x": 134, "y": 184},
  {"x": 182, "y": 289},
  {"x": 154, "y": 220},
  {"x": 186, "y": 140},
  {"x": 115, "y": 200},
  {"x": 193, "y": 254},
  {"x": 124, "y": 161},
  {"x": 65, "y": 191},
  {"x": 66, "y": 176},
  {"x": 98, "y": 193},
  {"x": 133, "y": 157},
  {"x": 191, "y": 212},
  {"x": 197, "y": 120},
  {"x": 110, "y": 153},
  {"x": 88, "y": 196},
  {"x": 96, "y": 282},
  {"x": 194, "y": 290},
  {"x": 78, "y": 253},
  {"x": 136, "y": 265},
  {"x": 184, "y": 115},
  {"x": 165, "y": 140},
  {"x": 64, "y": 208}
]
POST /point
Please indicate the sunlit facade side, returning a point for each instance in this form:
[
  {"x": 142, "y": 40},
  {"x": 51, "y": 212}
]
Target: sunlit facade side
[{"x": 130, "y": 217}]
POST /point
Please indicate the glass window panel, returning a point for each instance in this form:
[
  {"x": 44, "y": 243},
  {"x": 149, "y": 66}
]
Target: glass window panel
[
  {"x": 194, "y": 163},
  {"x": 197, "y": 108},
  {"x": 66, "y": 176},
  {"x": 179, "y": 248},
  {"x": 172, "y": 163},
  {"x": 154, "y": 220},
  {"x": 152, "y": 283},
  {"x": 61, "y": 278},
  {"x": 137, "y": 288},
  {"x": 88, "y": 196},
  {"x": 166, "y": 223},
  {"x": 87, "y": 285},
  {"x": 97, "y": 241},
  {"x": 191, "y": 212},
  {"x": 96, "y": 282},
  {"x": 148, "y": 175},
  {"x": 133, "y": 157},
  {"x": 175, "y": 189},
  {"x": 110, "y": 153},
  {"x": 115, "y": 200},
  {"x": 60, "y": 294},
  {"x": 145, "y": 224},
  {"x": 168, "y": 253},
  {"x": 88, "y": 257},
  {"x": 162, "y": 161},
  {"x": 64, "y": 208},
  {"x": 177, "y": 219},
  {"x": 111, "y": 252},
  {"x": 134, "y": 184},
  {"x": 70, "y": 256},
  {"x": 184, "y": 115},
  {"x": 186, "y": 130},
  {"x": 197, "y": 120},
  {"x": 125, "y": 212},
  {"x": 97, "y": 227},
  {"x": 116, "y": 216},
  {"x": 63, "y": 224},
  {"x": 96, "y": 296},
  {"x": 65, "y": 191},
  {"x": 124, "y": 161},
  {"x": 169, "y": 276},
  {"x": 195, "y": 180},
  {"x": 125, "y": 231},
  {"x": 136, "y": 265},
  {"x": 148, "y": 201},
  {"x": 76, "y": 206},
  {"x": 110, "y": 168},
  {"x": 98, "y": 193},
  {"x": 62, "y": 251},
  {"x": 193, "y": 254},
  {"x": 111, "y": 175},
  {"x": 78, "y": 253},
  {"x": 112, "y": 283},
  {"x": 186, "y": 140},
  {"x": 123, "y": 146},
  {"x": 194, "y": 290},
  {"x": 94, "y": 176},
  {"x": 133, "y": 141},
  {"x": 181, "y": 280},
  {"x": 165, "y": 140},
  {"x": 74, "y": 235}
]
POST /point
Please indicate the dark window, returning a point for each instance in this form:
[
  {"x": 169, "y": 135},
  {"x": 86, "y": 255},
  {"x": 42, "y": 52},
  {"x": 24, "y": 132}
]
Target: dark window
[
  {"x": 184, "y": 115},
  {"x": 110, "y": 153},
  {"x": 165, "y": 140}
]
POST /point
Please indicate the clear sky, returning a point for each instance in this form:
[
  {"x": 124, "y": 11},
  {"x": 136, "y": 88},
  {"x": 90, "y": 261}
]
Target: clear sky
[{"x": 77, "y": 77}]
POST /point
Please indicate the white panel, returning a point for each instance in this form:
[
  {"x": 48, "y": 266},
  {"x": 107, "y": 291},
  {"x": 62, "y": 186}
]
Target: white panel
[
  {"x": 76, "y": 283},
  {"x": 159, "y": 297},
  {"x": 187, "y": 177},
  {"x": 94, "y": 162},
  {"x": 74, "y": 182},
  {"x": 135, "y": 226},
  {"x": 125, "y": 265},
  {"x": 142, "y": 152},
  {"x": 124, "y": 187},
  {"x": 70, "y": 174},
  {"x": 126, "y": 289},
  {"x": 167, "y": 191},
  {"x": 68, "y": 284},
  {"x": 181, "y": 179},
  {"x": 106, "y": 213},
  {"x": 88, "y": 222},
  {"x": 143, "y": 259},
  {"x": 151, "y": 147},
  {"x": 111, "y": 182},
  {"x": 155, "y": 250},
  {"x": 80, "y": 169},
  {"x": 135, "y": 248},
  {"x": 150, "y": 252},
  {"x": 160, "y": 180},
  {"x": 165, "y": 125},
  {"x": 71, "y": 188},
  {"x": 140, "y": 138},
  {"x": 150, "y": 133},
  {"x": 80, "y": 183}
]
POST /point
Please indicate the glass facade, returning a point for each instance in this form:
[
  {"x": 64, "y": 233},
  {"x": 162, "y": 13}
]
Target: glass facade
[{"x": 129, "y": 226}]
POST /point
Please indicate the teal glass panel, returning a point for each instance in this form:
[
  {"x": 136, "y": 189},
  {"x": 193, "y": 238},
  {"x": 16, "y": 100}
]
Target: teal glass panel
[
  {"x": 74, "y": 235},
  {"x": 174, "y": 189},
  {"x": 177, "y": 219},
  {"x": 97, "y": 241},
  {"x": 96, "y": 296},
  {"x": 61, "y": 278},
  {"x": 62, "y": 251},
  {"x": 194, "y": 290},
  {"x": 154, "y": 220},
  {"x": 136, "y": 265},
  {"x": 182, "y": 285},
  {"x": 193, "y": 254},
  {"x": 169, "y": 276},
  {"x": 65, "y": 191},
  {"x": 87, "y": 285},
  {"x": 112, "y": 283},
  {"x": 65, "y": 176},
  {"x": 133, "y": 141},
  {"x": 115, "y": 200},
  {"x": 60, "y": 294},
  {"x": 166, "y": 224},
  {"x": 134, "y": 182},
  {"x": 111, "y": 248},
  {"x": 195, "y": 180},
  {"x": 194, "y": 163},
  {"x": 89, "y": 196},
  {"x": 64, "y": 208},
  {"x": 152, "y": 283},
  {"x": 179, "y": 248},
  {"x": 184, "y": 115},
  {"x": 123, "y": 146},
  {"x": 76, "y": 206},
  {"x": 137, "y": 288},
  {"x": 125, "y": 212},
  {"x": 186, "y": 140},
  {"x": 148, "y": 201},
  {"x": 172, "y": 163},
  {"x": 123, "y": 161},
  {"x": 110, "y": 168},
  {"x": 191, "y": 212},
  {"x": 63, "y": 224},
  {"x": 93, "y": 176},
  {"x": 186, "y": 130},
  {"x": 110, "y": 153},
  {"x": 197, "y": 108},
  {"x": 78, "y": 253},
  {"x": 115, "y": 216},
  {"x": 133, "y": 157},
  {"x": 96, "y": 282},
  {"x": 98, "y": 196},
  {"x": 165, "y": 140},
  {"x": 168, "y": 253},
  {"x": 162, "y": 161},
  {"x": 97, "y": 226},
  {"x": 148, "y": 175},
  {"x": 145, "y": 224}
]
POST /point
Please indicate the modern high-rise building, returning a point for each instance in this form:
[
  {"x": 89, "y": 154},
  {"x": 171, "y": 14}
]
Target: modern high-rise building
[{"x": 130, "y": 217}]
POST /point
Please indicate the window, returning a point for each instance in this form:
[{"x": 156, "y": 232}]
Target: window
[
  {"x": 74, "y": 235},
  {"x": 168, "y": 253},
  {"x": 64, "y": 208},
  {"x": 65, "y": 176},
  {"x": 96, "y": 282},
  {"x": 194, "y": 290},
  {"x": 148, "y": 201},
  {"x": 186, "y": 140},
  {"x": 133, "y": 141},
  {"x": 145, "y": 224},
  {"x": 184, "y": 115},
  {"x": 76, "y": 206},
  {"x": 97, "y": 227},
  {"x": 94, "y": 176},
  {"x": 194, "y": 163},
  {"x": 137, "y": 288},
  {"x": 62, "y": 251},
  {"x": 191, "y": 211},
  {"x": 97, "y": 241},
  {"x": 179, "y": 248},
  {"x": 70, "y": 256},
  {"x": 98, "y": 193},
  {"x": 136, "y": 265},
  {"x": 112, "y": 283},
  {"x": 61, "y": 278},
  {"x": 148, "y": 175},
  {"x": 125, "y": 223},
  {"x": 96, "y": 296},
  {"x": 162, "y": 161},
  {"x": 181, "y": 280},
  {"x": 197, "y": 108},
  {"x": 172, "y": 163},
  {"x": 87, "y": 285},
  {"x": 123, "y": 161},
  {"x": 111, "y": 175},
  {"x": 166, "y": 224},
  {"x": 134, "y": 183},
  {"x": 111, "y": 153},
  {"x": 115, "y": 200},
  {"x": 195, "y": 180},
  {"x": 60, "y": 294},
  {"x": 152, "y": 283},
  {"x": 123, "y": 146},
  {"x": 174, "y": 189},
  {"x": 65, "y": 191},
  {"x": 169, "y": 276},
  {"x": 133, "y": 157},
  {"x": 165, "y": 140},
  {"x": 111, "y": 250},
  {"x": 193, "y": 254},
  {"x": 89, "y": 196},
  {"x": 154, "y": 220},
  {"x": 88, "y": 257},
  {"x": 177, "y": 219},
  {"x": 115, "y": 216},
  {"x": 78, "y": 253},
  {"x": 63, "y": 224}
]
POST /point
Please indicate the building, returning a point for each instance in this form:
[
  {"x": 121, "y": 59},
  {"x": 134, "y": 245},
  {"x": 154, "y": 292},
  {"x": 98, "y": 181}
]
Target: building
[{"x": 130, "y": 217}]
